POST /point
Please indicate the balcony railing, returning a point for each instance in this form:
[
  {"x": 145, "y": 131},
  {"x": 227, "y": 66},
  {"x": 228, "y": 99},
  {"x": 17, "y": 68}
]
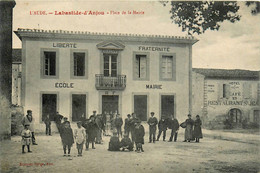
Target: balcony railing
[{"x": 110, "y": 83}]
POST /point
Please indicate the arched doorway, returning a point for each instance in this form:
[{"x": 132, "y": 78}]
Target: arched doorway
[{"x": 235, "y": 115}]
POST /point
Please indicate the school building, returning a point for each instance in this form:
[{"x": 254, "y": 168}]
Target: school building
[
  {"x": 75, "y": 73},
  {"x": 227, "y": 94}
]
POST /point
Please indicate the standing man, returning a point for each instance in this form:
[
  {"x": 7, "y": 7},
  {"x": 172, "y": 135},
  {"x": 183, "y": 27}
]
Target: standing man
[
  {"x": 118, "y": 125},
  {"x": 162, "y": 125},
  {"x": 47, "y": 122},
  {"x": 174, "y": 125},
  {"x": 127, "y": 125},
  {"x": 152, "y": 122},
  {"x": 28, "y": 119}
]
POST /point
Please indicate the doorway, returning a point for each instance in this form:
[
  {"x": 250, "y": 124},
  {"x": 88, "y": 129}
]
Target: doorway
[
  {"x": 109, "y": 103},
  {"x": 167, "y": 106},
  {"x": 140, "y": 107}
]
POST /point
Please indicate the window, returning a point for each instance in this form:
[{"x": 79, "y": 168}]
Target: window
[
  {"x": 110, "y": 65},
  {"x": 226, "y": 91},
  {"x": 140, "y": 106},
  {"x": 78, "y": 107},
  {"x": 168, "y": 67},
  {"x": 49, "y": 68},
  {"x": 49, "y": 63},
  {"x": 79, "y": 64},
  {"x": 49, "y": 106},
  {"x": 141, "y": 68}
]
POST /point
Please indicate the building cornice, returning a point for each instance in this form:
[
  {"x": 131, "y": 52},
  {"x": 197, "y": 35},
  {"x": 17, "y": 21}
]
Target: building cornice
[{"x": 80, "y": 35}]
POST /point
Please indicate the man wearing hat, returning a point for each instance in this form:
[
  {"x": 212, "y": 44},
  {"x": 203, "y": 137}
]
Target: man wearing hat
[
  {"x": 29, "y": 120},
  {"x": 152, "y": 122}
]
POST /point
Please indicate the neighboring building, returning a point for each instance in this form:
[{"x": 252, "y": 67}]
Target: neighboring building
[
  {"x": 6, "y": 28},
  {"x": 16, "y": 76},
  {"x": 232, "y": 94},
  {"x": 78, "y": 72}
]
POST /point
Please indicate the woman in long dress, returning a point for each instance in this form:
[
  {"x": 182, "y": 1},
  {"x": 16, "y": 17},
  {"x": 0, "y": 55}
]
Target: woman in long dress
[
  {"x": 189, "y": 128},
  {"x": 197, "y": 129}
]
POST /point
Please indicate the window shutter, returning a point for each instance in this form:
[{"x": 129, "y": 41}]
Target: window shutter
[
  {"x": 143, "y": 67},
  {"x": 169, "y": 67},
  {"x": 220, "y": 91},
  {"x": 227, "y": 91},
  {"x": 164, "y": 63},
  {"x": 136, "y": 69}
]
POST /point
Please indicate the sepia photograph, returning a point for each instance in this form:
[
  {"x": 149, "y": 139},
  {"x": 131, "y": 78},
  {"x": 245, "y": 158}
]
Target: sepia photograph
[{"x": 129, "y": 86}]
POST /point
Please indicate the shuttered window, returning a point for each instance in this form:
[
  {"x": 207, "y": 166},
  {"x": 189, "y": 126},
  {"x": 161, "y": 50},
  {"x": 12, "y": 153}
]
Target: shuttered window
[
  {"x": 226, "y": 91},
  {"x": 141, "y": 66},
  {"x": 49, "y": 63},
  {"x": 167, "y": 65}
]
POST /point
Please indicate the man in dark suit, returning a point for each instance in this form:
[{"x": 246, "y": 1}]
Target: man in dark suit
[
  {"x": 174, "y": 125},
  {"x": 152, "y": 122},
  {"x": 162, "y": 126}
]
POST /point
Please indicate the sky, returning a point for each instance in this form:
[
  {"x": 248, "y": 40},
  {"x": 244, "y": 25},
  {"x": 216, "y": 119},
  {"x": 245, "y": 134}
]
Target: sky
[{"x": 234, "y": 46}]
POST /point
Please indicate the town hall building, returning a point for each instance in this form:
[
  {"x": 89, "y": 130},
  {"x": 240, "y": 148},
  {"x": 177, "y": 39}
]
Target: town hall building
[{"x": 75, "y": 73}]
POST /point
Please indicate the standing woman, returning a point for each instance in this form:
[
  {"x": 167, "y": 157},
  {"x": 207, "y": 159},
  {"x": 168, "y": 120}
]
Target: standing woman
[
  {"x": 189, "y": 128},
  {"x": 197, "y": 129}
]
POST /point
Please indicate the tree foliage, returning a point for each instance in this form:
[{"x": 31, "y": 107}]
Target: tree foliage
[{"x": 199, "y": 16}]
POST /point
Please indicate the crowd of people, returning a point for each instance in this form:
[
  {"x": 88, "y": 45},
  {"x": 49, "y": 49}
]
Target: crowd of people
[{"x": 89, "y": 131}]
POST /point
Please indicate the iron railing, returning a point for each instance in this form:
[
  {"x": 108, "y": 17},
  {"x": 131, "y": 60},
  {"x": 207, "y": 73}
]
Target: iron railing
[{"x": 110, "y": 83}]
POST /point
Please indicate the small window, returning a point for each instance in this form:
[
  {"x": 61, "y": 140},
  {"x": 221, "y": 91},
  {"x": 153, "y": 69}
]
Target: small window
[
  {"x": 79, "y": 64},
  {"x": 50, "y": 63}
]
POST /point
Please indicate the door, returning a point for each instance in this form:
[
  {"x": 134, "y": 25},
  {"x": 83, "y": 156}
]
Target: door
[
  {"x": 167, "y": 106},
  {"x": 78, "y": 107},
  {"x": 109, "y": 103},
  {"x": 140, "y": 107}
]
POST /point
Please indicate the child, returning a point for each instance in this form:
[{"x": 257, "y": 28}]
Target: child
[
  {"x": 139, "y": 136},
  {"x": 47, "y": 122},
  {"x": 126, "y": 143},
  {"x": 26, "y": 138},
  {"x": 66, "y": 137},
  {"x": 114, "y": 144},
  {"x": 80, "y": 137}
]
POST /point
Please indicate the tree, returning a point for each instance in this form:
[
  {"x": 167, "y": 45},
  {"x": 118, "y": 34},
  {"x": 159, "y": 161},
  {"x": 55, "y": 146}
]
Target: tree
[{"x": 199, "y": 16}]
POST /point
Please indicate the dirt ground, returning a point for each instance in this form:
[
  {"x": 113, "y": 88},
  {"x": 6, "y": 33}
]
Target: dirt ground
[{"x": 211, "y": 155}]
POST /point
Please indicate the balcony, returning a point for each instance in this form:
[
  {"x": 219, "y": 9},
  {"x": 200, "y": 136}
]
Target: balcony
[{"x": 110, "y": 83}]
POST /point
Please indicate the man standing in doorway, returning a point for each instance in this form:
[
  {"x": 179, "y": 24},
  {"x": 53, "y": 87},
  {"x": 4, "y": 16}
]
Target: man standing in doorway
[
  {"x": 152, "y": 122},
  {"x": 29, "y": 120}
]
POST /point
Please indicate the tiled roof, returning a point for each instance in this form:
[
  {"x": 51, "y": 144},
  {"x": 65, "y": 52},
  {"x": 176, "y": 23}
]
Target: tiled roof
[
  {"x": 21, "y": 32},
  {"x": 17, "y": 55},
  {"x": 228, "y": 73}
]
